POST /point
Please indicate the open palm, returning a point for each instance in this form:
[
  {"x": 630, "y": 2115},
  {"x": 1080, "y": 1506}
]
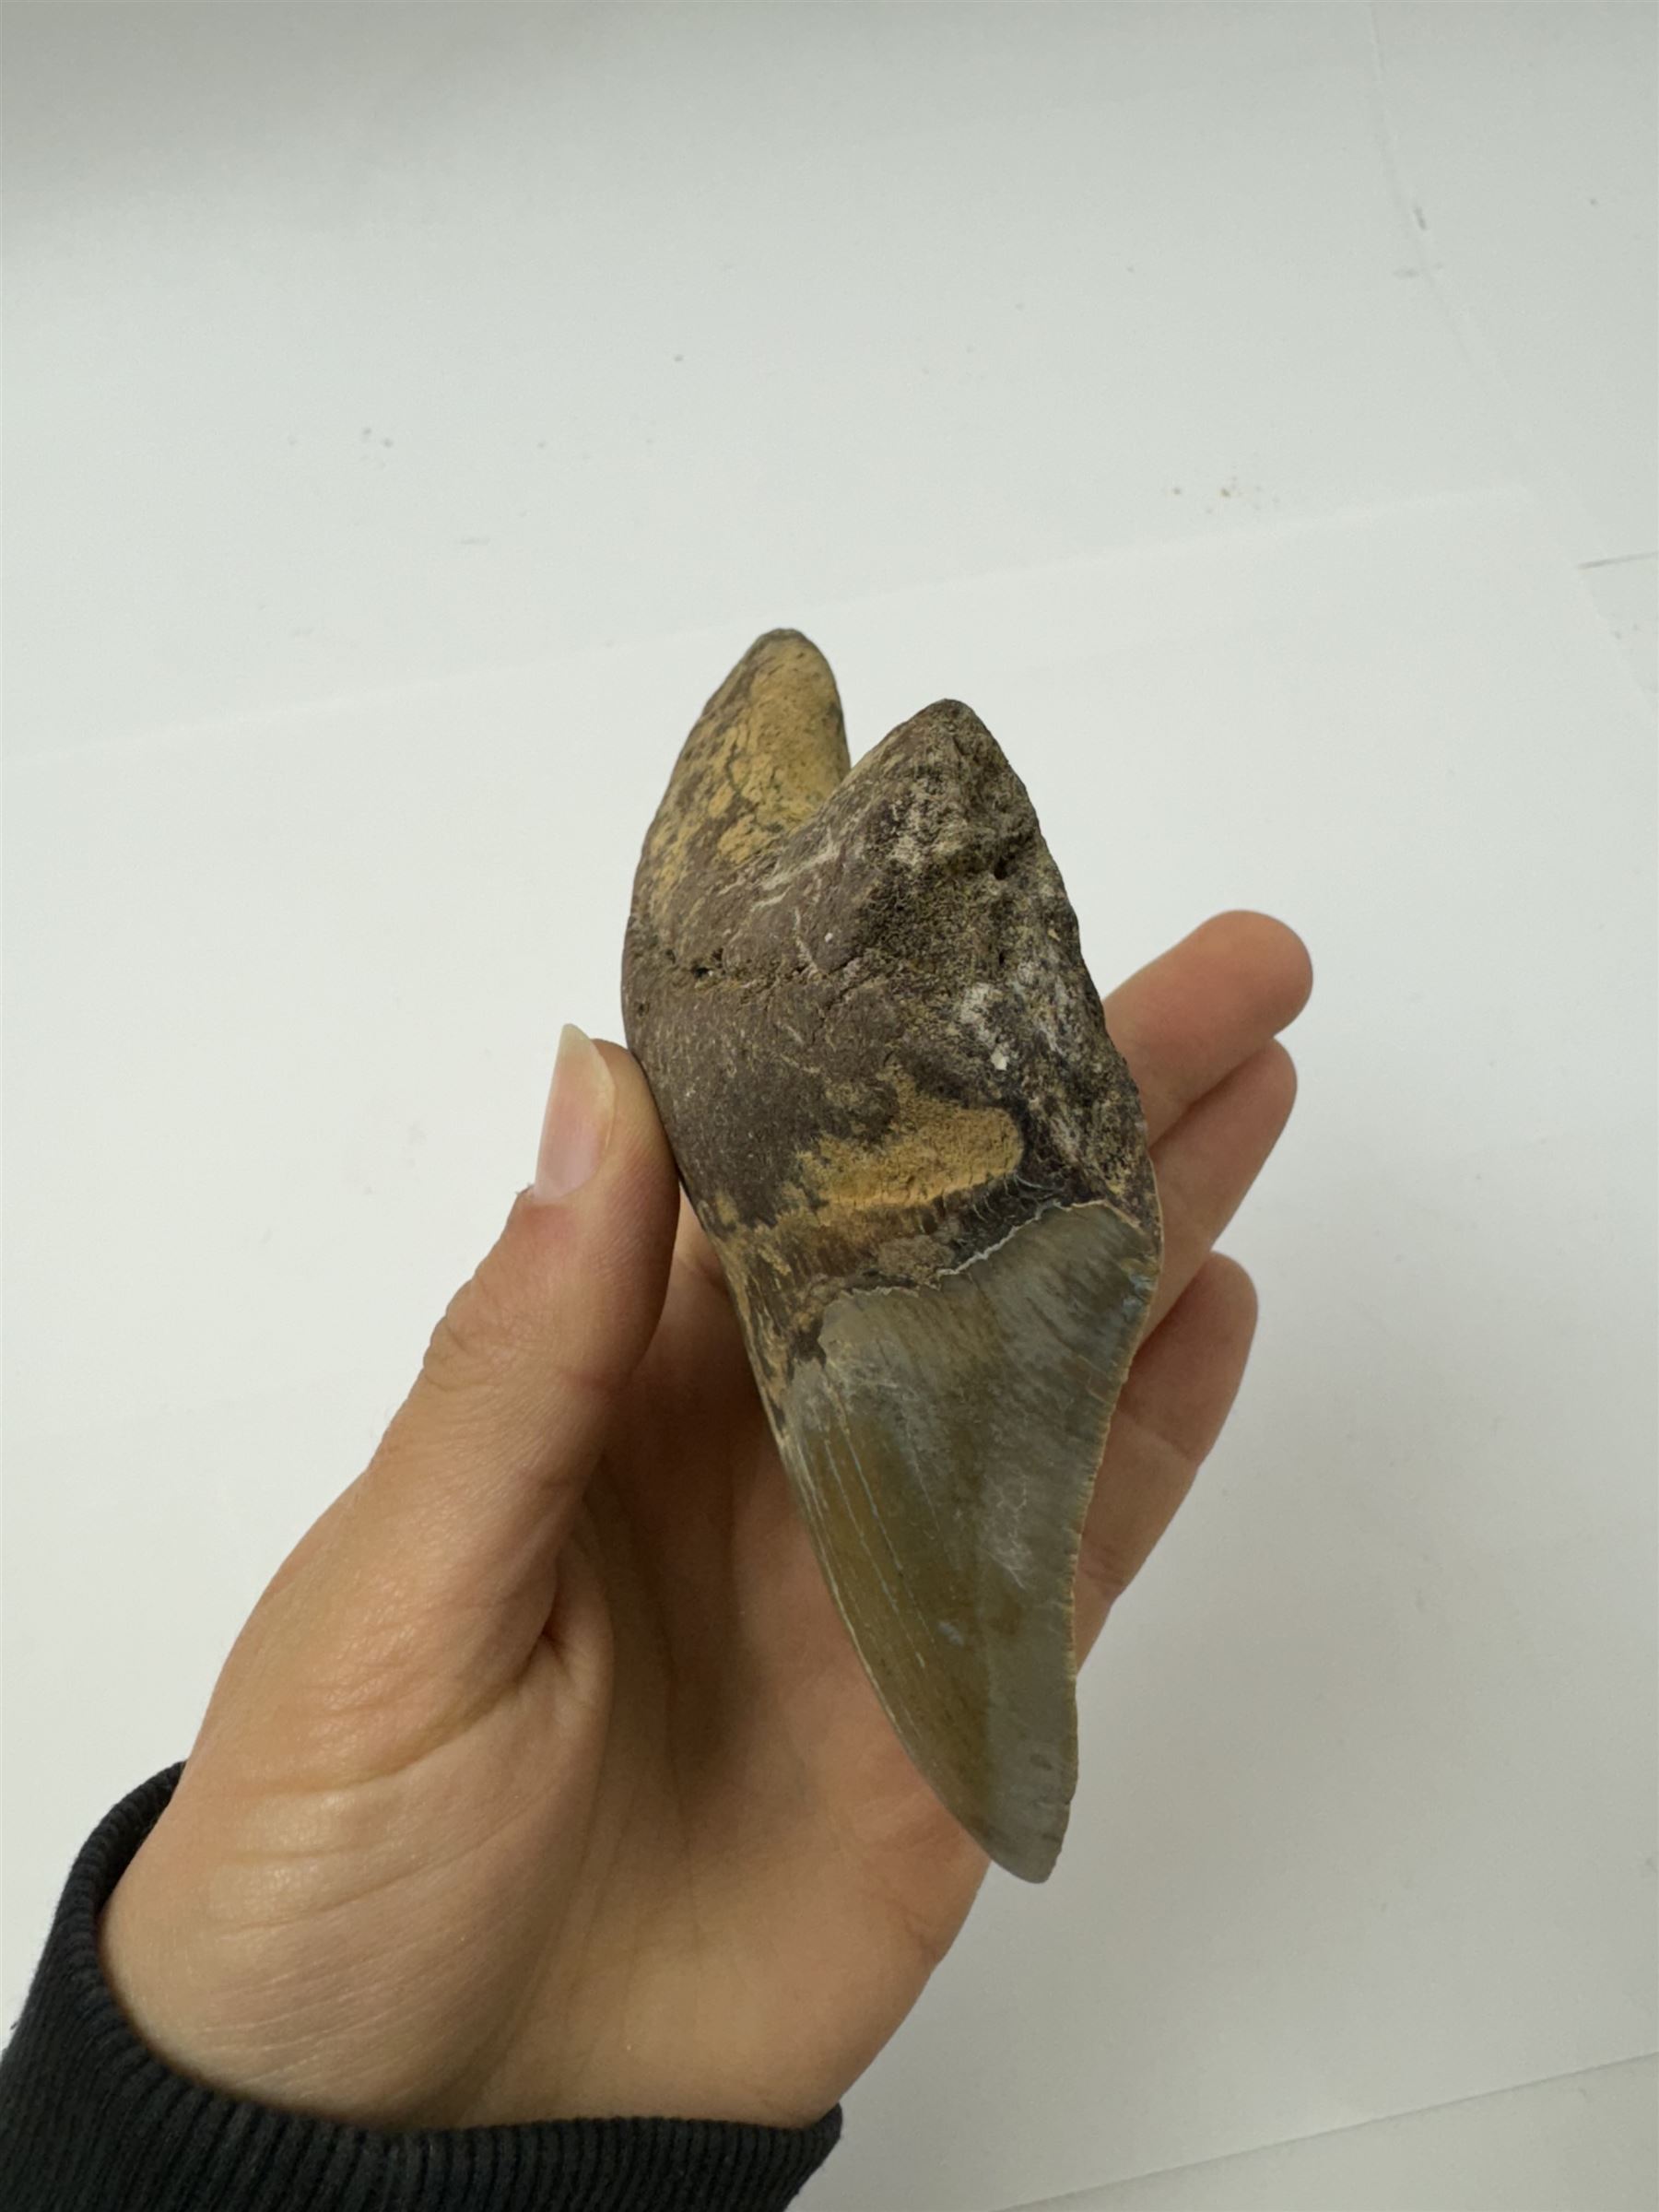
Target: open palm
[{"x": 544, "y": 1779}]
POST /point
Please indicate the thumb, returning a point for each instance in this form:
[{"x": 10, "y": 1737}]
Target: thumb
[{"x": 452, "y": 1534}]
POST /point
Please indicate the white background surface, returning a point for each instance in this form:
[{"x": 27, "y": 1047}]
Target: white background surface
[{"x": 412, "y": 411}]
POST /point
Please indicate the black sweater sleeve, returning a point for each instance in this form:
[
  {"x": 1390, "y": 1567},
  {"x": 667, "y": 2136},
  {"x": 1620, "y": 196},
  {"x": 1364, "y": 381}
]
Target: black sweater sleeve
[{"x": 92, "y": 2121}]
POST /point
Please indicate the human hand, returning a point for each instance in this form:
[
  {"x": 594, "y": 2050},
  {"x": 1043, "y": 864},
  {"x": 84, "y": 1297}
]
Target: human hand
[{"x": 544, "y": 1780}]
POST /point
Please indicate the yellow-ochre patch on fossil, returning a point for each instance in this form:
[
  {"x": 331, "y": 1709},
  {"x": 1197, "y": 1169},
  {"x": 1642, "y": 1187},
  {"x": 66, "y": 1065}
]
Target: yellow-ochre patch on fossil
[
  {"x": 786, "y": 752},
  {"x": 762, "y": 764},
  {"x": 865, "y": 1198},
  {"x": 931, "y": 1149}
]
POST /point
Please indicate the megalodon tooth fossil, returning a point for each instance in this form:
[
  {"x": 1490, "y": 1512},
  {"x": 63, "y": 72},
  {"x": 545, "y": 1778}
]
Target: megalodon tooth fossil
[{"x": 859, "y": 999}]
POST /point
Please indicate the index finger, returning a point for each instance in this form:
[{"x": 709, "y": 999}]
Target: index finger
[{"x": 1185, "y": 1020}]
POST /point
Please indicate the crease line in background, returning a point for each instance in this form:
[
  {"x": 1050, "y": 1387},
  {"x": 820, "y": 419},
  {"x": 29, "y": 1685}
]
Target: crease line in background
[
  {"x": 1573, "y": 525},
  {"x": 180, "y": 733}
]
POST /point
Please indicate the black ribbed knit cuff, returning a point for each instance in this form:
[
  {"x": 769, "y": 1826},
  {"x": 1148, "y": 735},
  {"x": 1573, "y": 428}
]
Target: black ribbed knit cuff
[{"x": 92, "y": 2121}]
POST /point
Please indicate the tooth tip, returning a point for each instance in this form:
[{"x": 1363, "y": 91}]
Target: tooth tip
[
  {"x": 944, "y": 1442},
  {"x": 782, "y": 648}
]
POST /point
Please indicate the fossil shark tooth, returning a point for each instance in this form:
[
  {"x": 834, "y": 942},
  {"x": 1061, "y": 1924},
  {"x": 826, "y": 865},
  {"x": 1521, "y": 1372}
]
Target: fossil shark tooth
[{"x": 858, "y": 996}]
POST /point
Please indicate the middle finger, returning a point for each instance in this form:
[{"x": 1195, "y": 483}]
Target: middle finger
[{"x": 1209, "y": 1160}]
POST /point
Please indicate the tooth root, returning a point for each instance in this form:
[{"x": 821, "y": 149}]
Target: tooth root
[
  {"x": 768, "y": 750},
  {"x": 859, "y": 999}
]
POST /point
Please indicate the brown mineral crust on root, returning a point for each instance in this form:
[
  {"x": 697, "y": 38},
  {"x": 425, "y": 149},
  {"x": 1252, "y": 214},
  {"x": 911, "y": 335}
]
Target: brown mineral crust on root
[{"x": 800, "y": 1011}]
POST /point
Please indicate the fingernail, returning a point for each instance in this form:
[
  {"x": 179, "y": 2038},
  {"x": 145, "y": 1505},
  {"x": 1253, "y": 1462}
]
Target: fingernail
[{"x": 576, "y": 1127}]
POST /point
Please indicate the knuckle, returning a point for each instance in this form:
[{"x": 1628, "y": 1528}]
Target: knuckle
[
  {"x": 1284, "y": 1072},
  {"x": 478, "y": 1339},
  {"x": 1104, "y": 1570},
  {"x": 1234, "y": 1282}
]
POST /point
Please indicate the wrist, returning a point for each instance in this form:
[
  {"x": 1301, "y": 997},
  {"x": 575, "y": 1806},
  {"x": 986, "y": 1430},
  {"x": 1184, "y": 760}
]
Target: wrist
[{"x": 92, "y": 2117}]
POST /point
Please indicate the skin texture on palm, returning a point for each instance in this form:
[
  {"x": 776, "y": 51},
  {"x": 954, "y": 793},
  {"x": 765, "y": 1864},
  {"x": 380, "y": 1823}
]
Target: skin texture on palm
[{"x": 544, "y": 1779}]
